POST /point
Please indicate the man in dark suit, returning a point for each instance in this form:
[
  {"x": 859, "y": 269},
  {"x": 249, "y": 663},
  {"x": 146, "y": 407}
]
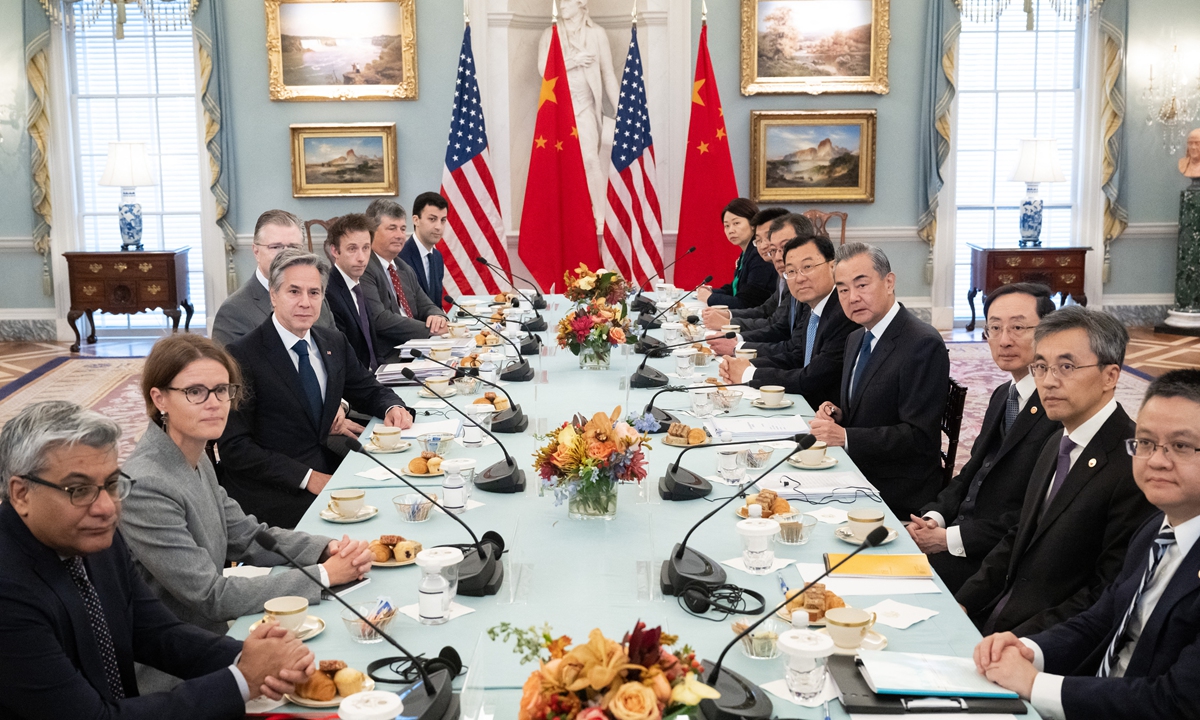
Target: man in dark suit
[
  {"x": 1134, "y": 653},
  {"x": 1082, "y": 505},
  {"x": 75, "y": 613},
  {"x": 349, "y": 244},
  {"x": 273, "y": 453},
  {"x": 977, "y": 508},
  {"x": 895, "y": 379},
  {"x": 420, "y": 252},
  {"x": 811, "y": 362},
  {"x": 760, "y": 315}
]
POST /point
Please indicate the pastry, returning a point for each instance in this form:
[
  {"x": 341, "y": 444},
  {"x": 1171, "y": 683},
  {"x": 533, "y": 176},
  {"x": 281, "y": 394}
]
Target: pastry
[
  {"x": 428, "y": 454},
  {"x": 469, "y": 361},
  {"x": 406, "y": 550},
  {"x": 318, "y": 687},
  {"x": 766, "y": 499},
  {"x": 696, "y": 436},
  {"x": 481, "y": 338},
  {"x": 482, "y": 401},
  {"x": 779, "y": 506},
  {"x": 500, "y": 297},
  {"x": 489, "y": 396},
  {"x": 418, "y": 466},
  {"x": 390, "y": 540},
  {"x": 379, "y": 551},
  {"x": 501, "y": 404},
  {"x": 678, "y": 430},
  {"x": 493, "y": 340},
  {"x": 349, "y": 681},
  {"x": 434, "y": 464},
  {"x": 331, "y": 666}
]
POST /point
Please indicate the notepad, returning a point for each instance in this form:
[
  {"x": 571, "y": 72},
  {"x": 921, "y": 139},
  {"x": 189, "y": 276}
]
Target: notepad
[
  {"x": 895, "y": 673},
  {"x": 880, "y": 566}
]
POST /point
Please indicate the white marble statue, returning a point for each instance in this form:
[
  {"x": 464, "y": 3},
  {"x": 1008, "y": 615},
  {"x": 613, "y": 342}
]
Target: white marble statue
[
  {"x": 1189, "y": 164},
  {"x": 593, "y": 80}
]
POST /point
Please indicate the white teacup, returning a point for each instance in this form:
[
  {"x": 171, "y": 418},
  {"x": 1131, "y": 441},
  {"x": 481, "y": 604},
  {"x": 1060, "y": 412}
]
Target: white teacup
[
  {"x": 862, "y": 522},
  {"x": 731, "y": 328},
  {"x": 386, "y": 437},
  {"x": 848, "y": 626},
  {"x": 772, "y": 395},
  {"x": 459, "y": 329},
  {"x": 347, "y": 503},
  {"x": 441, "y": 352},
  {"x": 438, "y": 385},
  {"x": 814, "y": 455},
  {"x": 290, "y": 611},
  {"x": 746, "y": 353}
]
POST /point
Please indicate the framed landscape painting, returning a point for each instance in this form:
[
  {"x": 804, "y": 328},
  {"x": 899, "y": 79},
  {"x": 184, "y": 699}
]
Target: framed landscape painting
[
  {"x": 815, "y": 46},
  {"x": 342, "y": 50},
  {"x": 344, "y": 160},
  {"x": 817, "y": 156}
]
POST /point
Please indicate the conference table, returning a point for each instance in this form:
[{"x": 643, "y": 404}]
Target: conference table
[{"x": 576, "y": 575}]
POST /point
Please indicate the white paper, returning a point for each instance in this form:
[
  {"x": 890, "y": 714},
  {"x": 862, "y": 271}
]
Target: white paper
[
  {"x": 899, "y": 615},
  {"x": 935, "y": 716},
  {"x": 246, "y": 571},
  {"x": 376, "y": 473},
  {"x": 816, "y": 484},
  {"x": 431, "y": 404},
  {"x": 868, "y": 586},
  {"x": 262, "y": 705},
  {"x": 456, "y": 611},
  {"x": 737, "y": 564},
  {"x": 449, "y": 427},
  {"x": 750, "y": 427},
  {"x": 779, "y": 689},
  {"x": 471, "y": 505},
  {"x": 919, "y": 673},
  {"x": 833, "y": 516}
]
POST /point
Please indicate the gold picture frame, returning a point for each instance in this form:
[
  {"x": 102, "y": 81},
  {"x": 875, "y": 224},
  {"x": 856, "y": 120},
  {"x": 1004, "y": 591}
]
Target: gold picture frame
[
  {"x": 794, "y": 57},
  {"x": 814, "y": 156},
  {"x": 323, "y": 45},
  {"x": 344, "y": 160}
]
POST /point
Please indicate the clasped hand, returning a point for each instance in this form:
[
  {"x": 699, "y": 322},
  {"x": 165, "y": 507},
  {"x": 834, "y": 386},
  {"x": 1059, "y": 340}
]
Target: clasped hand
[
  {"x": 1006, "y": 661},
  {"x": 927, "y": 534},
  {"x": 273, "y": 661},
  {"x": 825, "y": 427},
  {"x": 346, "y": 560}
]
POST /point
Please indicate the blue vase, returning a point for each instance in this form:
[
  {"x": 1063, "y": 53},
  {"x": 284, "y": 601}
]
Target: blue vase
[
  {"x": 1031, "y": 217},
  {"x": 130, "y": 215}
]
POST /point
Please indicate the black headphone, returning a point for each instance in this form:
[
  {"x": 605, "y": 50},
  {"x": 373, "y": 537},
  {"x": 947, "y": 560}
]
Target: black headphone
[
  {"x": 448, "y": 659},
  {"x": 699, "y": 598}
]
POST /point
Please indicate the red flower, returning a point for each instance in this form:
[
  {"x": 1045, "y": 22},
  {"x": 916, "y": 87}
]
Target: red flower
[
  {"x": 644, "y": 646},
  {"x": 637, "y": 466},
  {"x": 581, "y": 326}
]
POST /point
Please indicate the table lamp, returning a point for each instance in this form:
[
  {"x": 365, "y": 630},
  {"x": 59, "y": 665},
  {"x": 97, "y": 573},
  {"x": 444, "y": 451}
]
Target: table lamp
[
  {"x": 128, "y": 168},
  {"x": 1037, "y": 162}
]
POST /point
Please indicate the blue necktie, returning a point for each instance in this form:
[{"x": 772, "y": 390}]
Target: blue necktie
[
  {"x": 1165, "y": 539},
  {"x": 810, "y": 337},
  {"x": 308, "y": 382},
  {"x": 864, "y": 357},
  {"x": 792, "y": 315},
  {"x": 1011, "y": 407}
]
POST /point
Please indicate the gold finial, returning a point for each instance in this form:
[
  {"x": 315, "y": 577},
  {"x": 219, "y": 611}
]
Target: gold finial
[
  {"x": 635, "y": 12},
  {"x": 554, "y": 12},
  {"x": 466, "y": 14},
  {"x": 703, "y": 11}
]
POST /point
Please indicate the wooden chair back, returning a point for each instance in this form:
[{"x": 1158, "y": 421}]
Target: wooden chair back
[
  {"x": 820, "y": 219},
  {"x": 952, "y": 426},
  {"x": 308, "y": 234}
]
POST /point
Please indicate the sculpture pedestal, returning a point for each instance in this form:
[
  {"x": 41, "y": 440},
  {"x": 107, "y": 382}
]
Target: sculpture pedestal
[{"x": 1185, "y": 318}]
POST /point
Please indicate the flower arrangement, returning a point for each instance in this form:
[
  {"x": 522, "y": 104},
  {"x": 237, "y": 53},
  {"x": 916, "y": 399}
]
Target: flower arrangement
[
  {"x": 583, "y": 460},
  {"x": 593, "y": 329},
  {"x": 643, "y": 677},
  {"x": 586, "y": 285}
]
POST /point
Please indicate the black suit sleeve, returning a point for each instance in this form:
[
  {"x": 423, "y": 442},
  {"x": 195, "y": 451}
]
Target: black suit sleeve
[
  {"x": 951, "y": 497},
  {"x": 990, "y": 580},
  {"x": 364, "y": 392}
]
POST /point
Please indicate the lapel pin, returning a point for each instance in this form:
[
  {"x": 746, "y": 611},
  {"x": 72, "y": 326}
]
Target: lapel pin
[
  {"x": 1033, "y": 410},
  {"x": 1092, "y": 463}
]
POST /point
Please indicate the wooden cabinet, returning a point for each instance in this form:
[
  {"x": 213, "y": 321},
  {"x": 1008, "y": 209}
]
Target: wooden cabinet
[
  {"x": 125, "y": 283},
  {"x": 1060, "y": 269}
]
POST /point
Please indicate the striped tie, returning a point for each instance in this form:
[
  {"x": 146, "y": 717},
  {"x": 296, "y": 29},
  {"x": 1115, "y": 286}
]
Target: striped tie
[
  {"x": 1165, "y": 539},
  {"x": 1012, "y": 406}
]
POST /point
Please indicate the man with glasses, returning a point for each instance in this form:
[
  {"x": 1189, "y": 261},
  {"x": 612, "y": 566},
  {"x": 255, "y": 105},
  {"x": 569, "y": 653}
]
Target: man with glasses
[
  {"x": 756, "y": 317},
  {"x": 977, "y": 508},
  {"x": 74, "y": 611},
  {"x": 1135, "y": 653},
  {"x": 1082, "y": 505}
]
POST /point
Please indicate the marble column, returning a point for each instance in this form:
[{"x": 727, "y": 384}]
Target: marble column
[{"x": 1187, "y": 267}]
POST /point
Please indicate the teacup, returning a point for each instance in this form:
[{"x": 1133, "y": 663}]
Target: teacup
[
  {"x": 459, "y": 329},
  {"x": 746, "y": 353},
  {"x": 814, "y": 455},
  {"x": 441, "y": 352},
  {"x": 290, "y": 611},
  {"x": 386, "y": 437},
  {"x": 848, "y": 626},
  {"x": 347, "y": 503},
  {"x": 438, "y": 385},
  {"x": 772, "y": 395},
  {"x": 862, "y": 522},
  {"x": 731, "y": 328}
]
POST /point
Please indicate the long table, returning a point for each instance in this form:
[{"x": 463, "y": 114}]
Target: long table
[{"x": 578, "y": 575}]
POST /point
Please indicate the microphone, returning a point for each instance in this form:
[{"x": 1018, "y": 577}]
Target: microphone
[
  {"x": 538, "y": 324},
  {"x": 438, "y": 697},
  {"x": 741, "y": 698},
  {"x": 518, "y": 371},
  {"x": 639, "y": 304},
  {"x": 539, "y": 302},
  {"x": 648, "y": 377},
  {"x": 680, "y": 484},
  {"x": 653, "y": 323},
  {"x": 686, "y": 566},
  {"x": 504, "y": 476},
  {"x": 665, "y": 418},
  {"x": 510, "y": 420}
]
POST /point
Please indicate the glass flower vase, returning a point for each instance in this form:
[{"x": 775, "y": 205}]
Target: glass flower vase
[
  {"x": 594, "y": 359},
  {"x": 594, "y": 500}
]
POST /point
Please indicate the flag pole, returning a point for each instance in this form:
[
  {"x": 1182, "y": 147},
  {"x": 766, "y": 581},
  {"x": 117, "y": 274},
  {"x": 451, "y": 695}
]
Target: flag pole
[
  {"x": 635, "y": 12},
  {"x": 466, "y": 13},
  {"x": 554, "y": 12},
  {"x": 703, "y": 12}
]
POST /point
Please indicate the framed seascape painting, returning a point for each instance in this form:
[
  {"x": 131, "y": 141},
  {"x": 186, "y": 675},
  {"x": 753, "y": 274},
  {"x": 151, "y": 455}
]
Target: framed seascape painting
[
  {"x": 808, "y": 157},
  {"x": 344, "y": 160},
  {"x": 342, "y": 50},
  {"x": 815, "y": 46}
]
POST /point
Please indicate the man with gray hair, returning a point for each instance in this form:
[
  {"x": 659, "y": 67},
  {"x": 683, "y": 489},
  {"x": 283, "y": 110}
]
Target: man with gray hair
[
  {"x": 74, "y": 611},
  {"x": 274, "y": 460},
  {"x": 895, "y": 379}
]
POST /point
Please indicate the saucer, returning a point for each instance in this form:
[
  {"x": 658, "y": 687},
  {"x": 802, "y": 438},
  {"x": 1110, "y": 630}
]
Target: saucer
[
  {"x": 367, "y": 512},
  {"x": 843, "y": 533},
  {"x": 450, "y": 392},
  {"x": 374, "y": 449},
  {"x": 406, "y": 473},
  {"x": 758, "y": 403},
  {"x": 368, "y": 684},
  {"x": 873, "y": 641},
  {"x": 312, "y": 627},
  {"x": 393, "y": 562},
  {"x": 826, "y": 462}
]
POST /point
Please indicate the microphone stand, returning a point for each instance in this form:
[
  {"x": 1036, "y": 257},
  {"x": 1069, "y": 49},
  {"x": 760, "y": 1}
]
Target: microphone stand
[
  {"x": 686, "y": 566},
  {"x": 519, "y": 371},
  {"x": 438, "y": 702},
  {"x": 538, "y": 323},
  {"x": 680, "y": 484},
  {"x": 539, "y": 301},
  {"x": 641, "y": 305},
  {"x": 510, "y": 420},
  {"x": 502, "y": 477},
  {"x": 664, "y": 418},
  {"x": 648, "y": 343},
  {"x": 740, "y": 698},
  {"x": 648, "y": 377}
]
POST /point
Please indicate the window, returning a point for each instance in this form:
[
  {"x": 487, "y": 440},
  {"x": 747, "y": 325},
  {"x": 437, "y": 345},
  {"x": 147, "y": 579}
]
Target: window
[
  {"x": 140, "y": 88},
  {"x": 1013, "y": 84}
]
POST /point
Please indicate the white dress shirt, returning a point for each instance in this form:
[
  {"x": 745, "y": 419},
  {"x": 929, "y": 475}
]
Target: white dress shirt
[
  {"x": 1083, "y": 434},
  {"x": 351, "y": 283},
  {"x": 876, "y": 333},
  {"x": 262, "y": 279},
  {"x": 748, "y": 373},
  {"x": 425, "y": 253}
]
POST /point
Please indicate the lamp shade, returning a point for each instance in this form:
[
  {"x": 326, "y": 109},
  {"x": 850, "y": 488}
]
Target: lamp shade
[
  {"x": 1037, "y": 162},
  {"x": 127, "y": 165}
]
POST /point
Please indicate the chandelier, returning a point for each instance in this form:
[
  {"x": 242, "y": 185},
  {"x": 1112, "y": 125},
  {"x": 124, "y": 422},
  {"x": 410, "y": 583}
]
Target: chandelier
[
  {"x": 161, "y": 14},
  {"x": 984, "y": 11},
  {"x": 1172, "y": 104}
]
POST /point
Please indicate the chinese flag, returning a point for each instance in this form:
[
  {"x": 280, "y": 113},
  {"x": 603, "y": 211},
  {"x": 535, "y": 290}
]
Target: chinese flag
[
  {"x": 708, "y": 184},
  {"x": 558, "y": 229}
]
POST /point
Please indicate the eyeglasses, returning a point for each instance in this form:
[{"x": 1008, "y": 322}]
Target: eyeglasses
[
  {"x": 1062, "y": 370},
  {"x": 276, "y": 247},
  {"x": 805, "y": 271},
  {"x": 197, "y": 394},
  {"x": 1145, "y": 449},
  {"x": 84, "y": 495},
  {"x": 1014, "y": 331}
]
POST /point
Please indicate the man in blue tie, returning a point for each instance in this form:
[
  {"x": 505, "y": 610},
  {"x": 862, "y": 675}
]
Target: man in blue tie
[
  {"x": 1135, "y": 653},
  {"x": 430, "y": 211}
]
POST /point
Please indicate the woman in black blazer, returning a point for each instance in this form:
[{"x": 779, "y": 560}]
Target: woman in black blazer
[{"x": 754, "y": 279}]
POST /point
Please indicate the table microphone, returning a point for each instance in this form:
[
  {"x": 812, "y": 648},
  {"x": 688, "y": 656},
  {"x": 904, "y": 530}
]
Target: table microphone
[
  {"x": 679, "y": 484},
  {"x": 437, "y": 700},
  {"x": 648, "y": 377},
  {"x": 519, "y": 371},
  {"x": 685, "y": 566},
  {"x": 509, "y": 420},
  {"x": 640, "y": 304},
  {"x": 539, "y": 301},
  {"x": 538, "y": 323},
  {"x": 653, "y": 323},
  {"x": 504, "y": 476},
  {"x": 665, "y": 418},
  {"x": 740, "y": 698}
]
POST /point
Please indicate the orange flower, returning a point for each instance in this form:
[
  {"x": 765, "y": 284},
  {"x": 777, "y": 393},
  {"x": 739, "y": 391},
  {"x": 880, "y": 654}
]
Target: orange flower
[
  {"x": 601, "y": 450},
  {"x": 616, "y": 336},
  {"x": 634, "y": 701},
  {"x": 533, "y": 701},
  {"x": 558, "y": 648}
]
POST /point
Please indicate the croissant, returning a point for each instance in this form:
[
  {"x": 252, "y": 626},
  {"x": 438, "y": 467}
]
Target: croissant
[
  {"x": 318, "y": 687},
  {"x": 379, "y": 551}
]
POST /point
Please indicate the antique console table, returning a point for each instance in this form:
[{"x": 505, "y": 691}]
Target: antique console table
[
  {"x": 126, "y": 283},
  {"x": 1060, "y": 269}
]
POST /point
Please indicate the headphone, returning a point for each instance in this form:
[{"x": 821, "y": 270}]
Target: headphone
[
  {"x": 699, "y": 598},
  {"x": 448, "y": 659}
]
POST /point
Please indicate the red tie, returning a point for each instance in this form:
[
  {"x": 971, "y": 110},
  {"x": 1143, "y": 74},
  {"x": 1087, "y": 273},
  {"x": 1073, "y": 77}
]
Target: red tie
[{"x": 399, "y": 290}]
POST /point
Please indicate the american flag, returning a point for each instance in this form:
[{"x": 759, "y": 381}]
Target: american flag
[
  {"x": 632, "y": 219},
  {"x": 475, "y": 228}
]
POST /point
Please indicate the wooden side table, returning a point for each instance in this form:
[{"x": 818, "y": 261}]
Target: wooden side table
[
  {"x": 127, "y": 283},
  {"x": 1060, "y": 269}
]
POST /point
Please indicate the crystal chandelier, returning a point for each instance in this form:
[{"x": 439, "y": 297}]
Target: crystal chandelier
[
  {"x": 161, "y": 14},
  {"x": 1172, "y": 104},
  {"x": 984, "y": 11}
]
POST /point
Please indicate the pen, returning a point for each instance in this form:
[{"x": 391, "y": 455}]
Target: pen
[
  {"x": 826, "y": 710},
  {"x": 783, "y": 586}
]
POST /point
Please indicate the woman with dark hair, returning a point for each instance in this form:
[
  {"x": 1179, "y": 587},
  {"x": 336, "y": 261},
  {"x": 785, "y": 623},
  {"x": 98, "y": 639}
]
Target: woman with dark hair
[{"x": 754, "y": 279}]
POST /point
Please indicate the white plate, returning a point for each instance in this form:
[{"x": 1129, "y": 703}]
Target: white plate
[
  {"x": 677, "y": 442},
  {"x": 450, "y": 392},
  {"x": 826, "y": 463},
  {"x": 843, "y": 533},
  {"x": 874, "y": 640},
  {"x": 367, "y": 512},
  {"x": 758, "y": 403},
  {"x": 406, "y": 473},
  {"x": 368, "y": 684},
  {"x": 374, "y": 449},
  {"x": 312, "y": 627}
]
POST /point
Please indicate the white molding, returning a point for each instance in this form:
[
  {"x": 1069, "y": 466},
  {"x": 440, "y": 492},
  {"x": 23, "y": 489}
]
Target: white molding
[
  {"x": 1139, "y": 299},
  {"x": 245, "y": 239},
  {"x": 517, "y": 20},
  {"x": 42, "y": 313},
  {"x": 916, "y": 301},
  {"x": 1151, "y": 231},
  {"x": 16, "y": 244}
]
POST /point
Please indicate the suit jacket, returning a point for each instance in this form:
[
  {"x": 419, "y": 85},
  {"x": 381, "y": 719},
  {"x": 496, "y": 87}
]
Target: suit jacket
[
  {"x": 345, "y": 314},
  {"x": 184, "y": 530},
  {"x": 774, "y": 336},
  {"x": 821, "y": 380},
  {"x": 1162, "y": 681},
  {"x": 246, "y": 309},
  {"x": 411, "y": 254},
  {"x": 51, "y": 662},
  {"x": 984, "y": 499},
  {"x": 270, "y": 442},
  {"x": 392, "y": 327},
  {"x": 758, "y": 317},
  {"x": 893, "y": 429},
  {"x": 756, "y": 281},
  {"x": 1057, "y": 564}
]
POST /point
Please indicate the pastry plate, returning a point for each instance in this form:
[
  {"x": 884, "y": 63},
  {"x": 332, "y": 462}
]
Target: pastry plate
[
  {"x": 826, "y": 463},
  {"x": 873, "y": 641},
  {"x": 368, "y": 684},
  {"x": 786, "y": 615},
  {"x": 757, "y": 402},
  {"x": 843, "y": 533},
  {"x": 312, "y": 627},
  {"x": 676, "y": 442},
  {"x": 450, "y": 392},
  {"x": 742, "y": 511},
  {"x": 406, "y": 473},
  {"x": 374, "y": 449},
  {"x": 367, "y": 512},
  {"x": 393, "y": 563}
]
